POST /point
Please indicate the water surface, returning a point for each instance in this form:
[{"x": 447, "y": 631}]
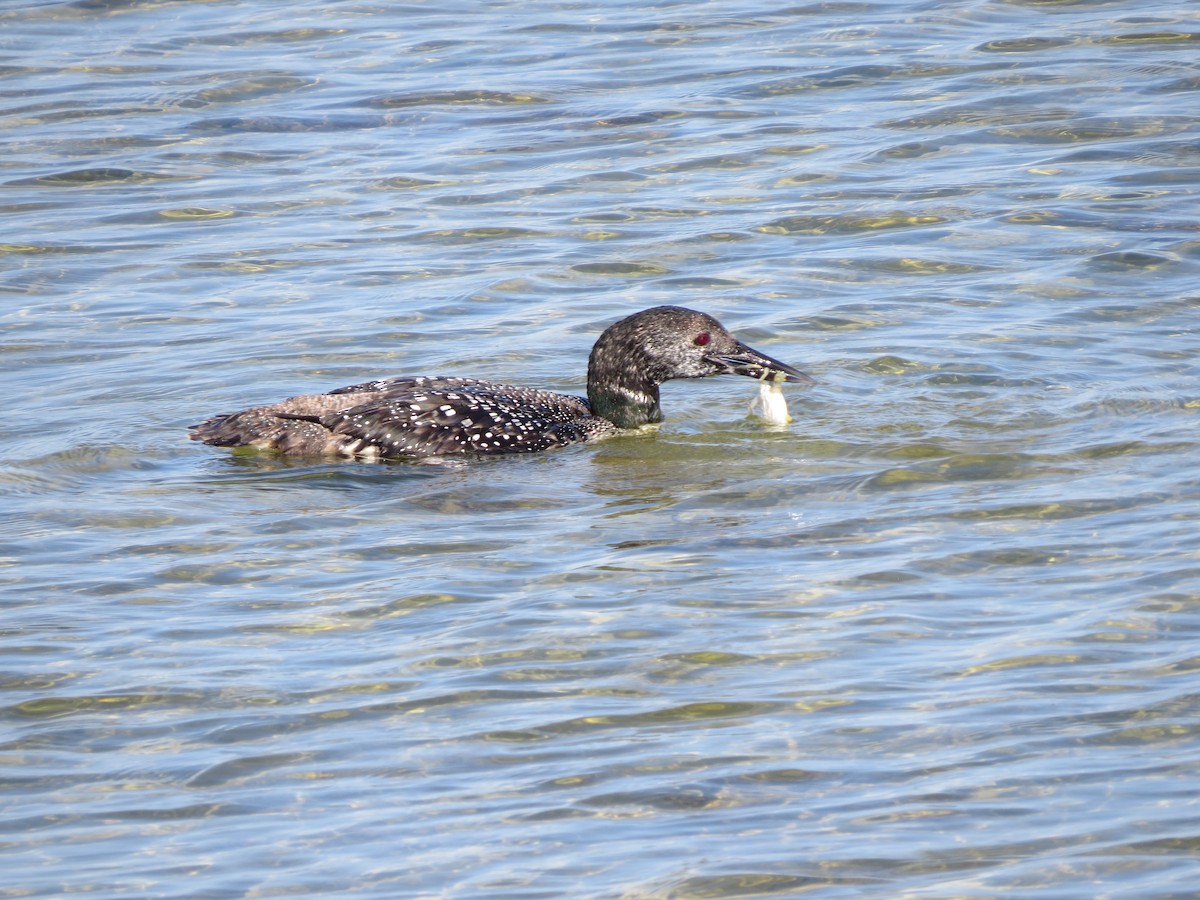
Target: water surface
[{"x": 936, "y": 638}]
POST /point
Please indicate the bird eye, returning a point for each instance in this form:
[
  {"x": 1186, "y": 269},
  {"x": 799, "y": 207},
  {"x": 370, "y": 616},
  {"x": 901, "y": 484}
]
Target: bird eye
[{"x": 701, "y": 339}]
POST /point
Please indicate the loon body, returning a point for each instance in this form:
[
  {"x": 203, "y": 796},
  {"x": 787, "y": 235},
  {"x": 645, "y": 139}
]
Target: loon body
[{"x": 436, "y": 416}]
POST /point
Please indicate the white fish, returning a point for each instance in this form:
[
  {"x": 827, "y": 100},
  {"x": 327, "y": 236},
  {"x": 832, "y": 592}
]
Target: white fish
[{"x": 770, "y": 402}]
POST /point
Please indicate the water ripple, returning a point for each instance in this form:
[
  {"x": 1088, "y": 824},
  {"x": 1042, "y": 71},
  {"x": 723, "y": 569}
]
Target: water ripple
[{"x": 935, "y": 637}]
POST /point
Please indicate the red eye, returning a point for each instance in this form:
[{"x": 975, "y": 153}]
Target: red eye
[{"x": 701, "y": 339}]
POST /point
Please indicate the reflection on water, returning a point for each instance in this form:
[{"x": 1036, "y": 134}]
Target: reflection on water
[{"x": 935, "y": 637}]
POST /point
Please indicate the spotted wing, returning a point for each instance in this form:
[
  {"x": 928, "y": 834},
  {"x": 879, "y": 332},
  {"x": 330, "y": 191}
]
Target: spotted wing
[{"x": 428, "y": 417}]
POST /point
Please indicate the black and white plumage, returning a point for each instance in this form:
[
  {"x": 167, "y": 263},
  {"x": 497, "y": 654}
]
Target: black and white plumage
[{"x": 435, "y": 416}]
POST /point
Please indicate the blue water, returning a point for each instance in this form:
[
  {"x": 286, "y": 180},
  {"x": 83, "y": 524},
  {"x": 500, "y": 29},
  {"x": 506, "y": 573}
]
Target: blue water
[{"x": 936, "y": 638}]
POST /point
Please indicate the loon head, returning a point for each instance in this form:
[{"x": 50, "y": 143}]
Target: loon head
[
  {"x": 668, "y": 342},
  {"x": 637, "y": 354}
]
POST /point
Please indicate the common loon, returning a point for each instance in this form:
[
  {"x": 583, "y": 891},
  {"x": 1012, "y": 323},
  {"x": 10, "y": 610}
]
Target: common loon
[{"x": 434, "y": 416}]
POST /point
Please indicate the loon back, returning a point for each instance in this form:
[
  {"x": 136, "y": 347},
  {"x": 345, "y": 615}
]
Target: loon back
[{"x": 419, "y": 416}]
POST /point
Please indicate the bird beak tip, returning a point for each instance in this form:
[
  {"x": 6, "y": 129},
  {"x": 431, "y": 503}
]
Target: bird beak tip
[{"x": 795, "y": 376}]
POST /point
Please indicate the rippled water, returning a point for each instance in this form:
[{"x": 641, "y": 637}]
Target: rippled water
[{"x": 939, "y": 637}]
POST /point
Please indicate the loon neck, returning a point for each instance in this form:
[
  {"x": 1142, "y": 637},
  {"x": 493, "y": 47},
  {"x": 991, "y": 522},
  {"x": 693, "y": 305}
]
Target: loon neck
[
  {"x": 627, "y": 364},
  {"x": 625, "y": 404}
]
